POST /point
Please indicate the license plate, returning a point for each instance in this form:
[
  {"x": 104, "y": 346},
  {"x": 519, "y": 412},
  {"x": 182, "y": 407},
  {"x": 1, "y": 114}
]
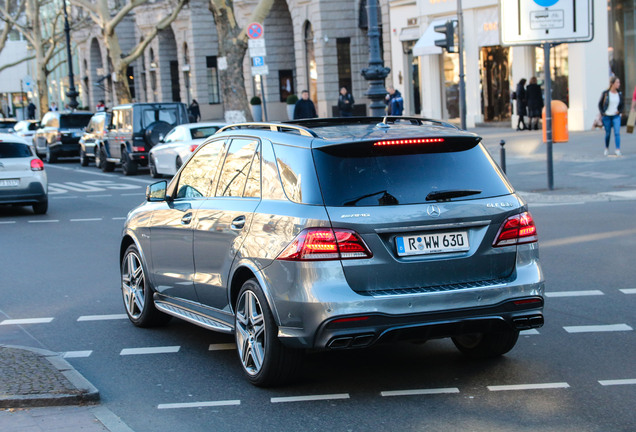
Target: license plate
[
  {"x": 423, "y": 244},
  {"x": 9, "y": 183}
]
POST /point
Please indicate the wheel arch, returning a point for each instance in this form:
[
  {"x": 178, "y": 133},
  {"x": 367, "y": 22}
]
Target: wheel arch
[{"x": 244, "y": 272}]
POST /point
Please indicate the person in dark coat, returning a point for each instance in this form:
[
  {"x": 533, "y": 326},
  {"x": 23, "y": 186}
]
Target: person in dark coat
[
  {"x": 521, "y": 104},
  {"x": 535, "y": 103},
  {"x": 305, "y": 107},
  {"x": 394, "y": 102},
  {"x": 31, "y": 110},
  {"x": 194, "y": 111},
  {"x": 345, "y": 103}
]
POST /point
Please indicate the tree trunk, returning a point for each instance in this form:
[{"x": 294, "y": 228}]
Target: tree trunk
[{"x": 122, "y": 90}]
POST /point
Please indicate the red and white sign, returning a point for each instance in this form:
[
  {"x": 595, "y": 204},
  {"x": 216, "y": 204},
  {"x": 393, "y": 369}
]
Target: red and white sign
[{"x": 255, "y": 30}]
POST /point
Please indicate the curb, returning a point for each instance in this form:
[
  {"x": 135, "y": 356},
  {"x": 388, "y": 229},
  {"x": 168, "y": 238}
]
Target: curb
[{"x": 85, "y": 392}]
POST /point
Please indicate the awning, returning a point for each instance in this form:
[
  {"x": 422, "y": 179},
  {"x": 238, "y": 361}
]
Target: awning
[
  {"x": 426, "y": 44},
  {"x": 409, "y": 34}
]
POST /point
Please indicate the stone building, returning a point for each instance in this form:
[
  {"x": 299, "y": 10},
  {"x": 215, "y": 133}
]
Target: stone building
[{"x": 315, "y": 45}]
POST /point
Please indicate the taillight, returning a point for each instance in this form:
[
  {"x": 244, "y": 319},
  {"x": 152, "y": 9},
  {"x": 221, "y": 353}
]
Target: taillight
[
  {"x": 37, "y": 165},
  {"x": 58, "y": 137},
  {"x": 320, "y": 244},
  {"x": 193, "y": 147},
  {"x": 409, "y": 141},
  {"x": 138, "y": 148},
  {"x": 517, "y": 229}
]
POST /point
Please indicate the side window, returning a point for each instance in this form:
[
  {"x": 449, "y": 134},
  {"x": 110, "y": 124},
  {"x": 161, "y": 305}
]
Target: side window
[
  {"x": 115, "y": 121},
  {"x": 197, "y": 178},
  {"x": 298, "y": 174},
  {"x": 126, "y": 120},
  {"x": 272, "y": 188},
  {"x": 236, "y": 167},
  {"x": 253, "y": 186}
]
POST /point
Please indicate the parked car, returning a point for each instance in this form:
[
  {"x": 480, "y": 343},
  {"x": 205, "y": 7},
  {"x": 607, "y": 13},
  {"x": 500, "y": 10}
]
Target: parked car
[
  {"x": 22, "y": 177},
  {"x": 59, "y": 134},
  {"x": 336, "y": 234},
  {"x": 93, "y": 136},
  {"x": 26, "y": 129},
  {"x": 167, "y": 157},
  {"x": 134, "y": 129},
  {"x": 7, "y": 125}
]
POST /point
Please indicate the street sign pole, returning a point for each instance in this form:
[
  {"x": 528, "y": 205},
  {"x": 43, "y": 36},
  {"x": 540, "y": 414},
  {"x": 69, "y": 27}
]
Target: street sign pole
[
  {"x": 548, "y": 113},
  {"x": 260, "y": 77},
  {"x": 462, "y": 82}
]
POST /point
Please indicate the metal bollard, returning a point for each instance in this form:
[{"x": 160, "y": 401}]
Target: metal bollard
[{"x": 502, "y": 156}]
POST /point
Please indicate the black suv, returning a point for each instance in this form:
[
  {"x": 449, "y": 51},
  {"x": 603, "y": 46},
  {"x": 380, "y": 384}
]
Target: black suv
[
  {"x": 134, "y": 129},
  {"x": 59, "y": 134}
]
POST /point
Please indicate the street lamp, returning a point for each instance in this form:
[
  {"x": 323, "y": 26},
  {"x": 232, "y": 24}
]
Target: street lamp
[
  {"x": 376, "y": 72},
  {"x": 71, "y": 93}
]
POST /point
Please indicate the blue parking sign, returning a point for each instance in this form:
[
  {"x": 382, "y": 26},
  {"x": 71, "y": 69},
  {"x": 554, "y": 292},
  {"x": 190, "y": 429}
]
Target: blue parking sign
[{"x": 258, "y": 61}]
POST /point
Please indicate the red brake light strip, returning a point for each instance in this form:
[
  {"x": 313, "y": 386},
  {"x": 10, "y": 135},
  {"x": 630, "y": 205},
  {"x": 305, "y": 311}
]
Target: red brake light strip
[{"x": 409, "y": 141}]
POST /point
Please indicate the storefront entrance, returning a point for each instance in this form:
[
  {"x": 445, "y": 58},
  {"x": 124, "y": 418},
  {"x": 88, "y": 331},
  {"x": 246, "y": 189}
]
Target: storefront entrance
[{"x": 495, "y": 84}]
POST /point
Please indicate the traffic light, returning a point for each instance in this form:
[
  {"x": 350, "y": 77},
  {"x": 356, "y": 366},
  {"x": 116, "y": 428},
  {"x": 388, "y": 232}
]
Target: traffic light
[{"x": 448, "y": 30}]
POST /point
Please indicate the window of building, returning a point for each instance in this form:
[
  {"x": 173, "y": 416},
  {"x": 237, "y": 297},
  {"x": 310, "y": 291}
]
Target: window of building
[
  {"x": 130, "y": 72},
  {"x": 310, "y": 58},
  {"x": 343, "y": 46},
  {"x": 285, "y": 83},
  {"x": 214, "y": 94}
]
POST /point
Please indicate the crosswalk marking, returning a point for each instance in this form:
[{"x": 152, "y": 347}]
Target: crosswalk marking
[
  {"x": 574, "y": 293},
  {"x": 629, "y": 291},
  {"x": 416, "y": 392},
  {"x": 26, "y": 321},
  {"x": 222, "y": 346},
  {"x": 597, "y": 328},
  {"x": 150, "y": 350},
  {"x": 542, "y": 386}
]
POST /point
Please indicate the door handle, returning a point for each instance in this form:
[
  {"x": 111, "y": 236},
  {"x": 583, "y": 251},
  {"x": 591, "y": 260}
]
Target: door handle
[
  {"x": 186, "y": 219},
  {"x": 238, "y": 222}
]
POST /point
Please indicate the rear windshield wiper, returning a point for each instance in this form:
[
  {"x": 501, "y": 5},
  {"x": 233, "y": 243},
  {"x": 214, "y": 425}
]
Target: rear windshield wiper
[
  {"x": 385, "y": 199},
  {"x": 448, "y": 194}
]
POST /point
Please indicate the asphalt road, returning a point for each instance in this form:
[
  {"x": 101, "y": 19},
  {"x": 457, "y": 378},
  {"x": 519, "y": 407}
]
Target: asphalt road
[{"x": 577, "y": 373}]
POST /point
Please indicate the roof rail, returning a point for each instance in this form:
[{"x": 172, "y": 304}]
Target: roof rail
[
  {"x": 274, "y": 127},
  {"x": 384, "y": 121}
]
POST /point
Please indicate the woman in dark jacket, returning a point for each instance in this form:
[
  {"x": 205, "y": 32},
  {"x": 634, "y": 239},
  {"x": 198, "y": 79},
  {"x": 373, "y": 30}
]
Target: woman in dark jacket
[
  {"x": 535, "y": 103},
  {"x": 521, "y": 104}
]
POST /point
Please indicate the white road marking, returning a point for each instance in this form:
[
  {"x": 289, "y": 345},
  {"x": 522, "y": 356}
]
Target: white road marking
[
  {"x": 98, "y": 196},
  {"x": 574, "y": 293},
  {"x": 529, "y": 386},
  {"x": 310, "y": 398},
  {"x": 87, "y": 220},
  {"x": 420, "y": 392},
  {"x": 44, "y": 221},
  {"x": 120, "y": 218},
  {"x": 617, "y": 382},
  {"x": 7, "y": 222},
  {"x": 588, "y": 238},
  {"x": 133, "y": 194},
  {"x": 199, "y": 404},
  {"x": 77, "y": 354},
  {"x": 102, "y": 317},
  {"x": 26, "y": 321},
  {"x": 221, "y": 347},
  {"x": 64, "y": 197},
  {"x": 629, "y": 291},
  {"x": 529, "y": 332},
  {"x": 597, "y": 328},
  {"x": 150, "y": 350}
]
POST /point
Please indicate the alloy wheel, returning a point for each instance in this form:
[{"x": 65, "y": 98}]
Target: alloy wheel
[
  {"x": 132, "y": 285},
  {"x": 250, "y": 332}
]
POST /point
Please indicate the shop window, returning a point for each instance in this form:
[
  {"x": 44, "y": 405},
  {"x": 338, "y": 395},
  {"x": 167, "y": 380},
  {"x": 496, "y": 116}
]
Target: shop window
[
  {"x": 343, "y": 47},
  {"x": 285, "y": 83},
  {"x": 214, "y": 95},
  {"x": 130, "y": 73}
]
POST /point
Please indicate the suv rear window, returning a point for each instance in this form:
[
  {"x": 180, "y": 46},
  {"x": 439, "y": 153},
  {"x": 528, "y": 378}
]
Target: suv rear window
[
  {"x": 151, "y": 115},
  {"x": 363, "y": 175},
  {"x": 76, "y": 121},
  {"x": 14, "y": 150}
]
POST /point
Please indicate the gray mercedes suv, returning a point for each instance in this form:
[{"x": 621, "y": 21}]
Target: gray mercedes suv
[{"x": 334, "y": 234}]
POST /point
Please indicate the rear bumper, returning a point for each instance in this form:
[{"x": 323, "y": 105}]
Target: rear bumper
[
  {"x": 33, "y": 194},
  {"x": 66, "y": 148}
]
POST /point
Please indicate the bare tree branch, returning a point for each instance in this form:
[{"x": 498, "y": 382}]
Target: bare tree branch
[{"x": 15, "y": 63}]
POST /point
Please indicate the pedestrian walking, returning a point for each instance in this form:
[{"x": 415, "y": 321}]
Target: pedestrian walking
[
  {"x": 31, "y": 110},
  {"x": 345, "y": 103},
  {"x": 305, "y": 107},
  {"x": 53, "y": 107},
  {"x": 611, "y": 105},
  {"x": 535, "y": 103},
  {"x": 394, "y": 102},
  {"x": 101, "y": 106},
  {"x": 522, "y": 102},
  {"x": 194, "y": 112}
]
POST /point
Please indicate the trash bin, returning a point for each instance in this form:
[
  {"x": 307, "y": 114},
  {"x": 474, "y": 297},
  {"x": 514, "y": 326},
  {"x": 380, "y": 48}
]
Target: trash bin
[{"x": 559, "y": 122}]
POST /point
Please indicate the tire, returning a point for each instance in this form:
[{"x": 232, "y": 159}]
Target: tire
[
  {"x": 136, "y": 292},
  {"x": 105, "y": 165},
  {"x": 51, "y": 156},
  {"x": 486, "y": 345},
  {"x": 41, "y": 208},
  {"x": 153, "y": 168},
  {"x": 98, "y": 158},
  {"x": 83, "y": 158},
  {"x": 128, "y": 165},
  {"x": 265, "y": 360}
]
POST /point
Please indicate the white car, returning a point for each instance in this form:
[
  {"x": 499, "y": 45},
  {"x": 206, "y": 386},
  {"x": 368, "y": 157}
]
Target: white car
[
  {"x": 176, "y": 147},
  {"x": 22, "y": 177},
  {"x": 26, "y": 129}
]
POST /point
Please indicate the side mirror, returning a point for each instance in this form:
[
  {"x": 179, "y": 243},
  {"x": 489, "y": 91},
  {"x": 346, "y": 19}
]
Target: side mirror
[{"x": 156, "y": 192}]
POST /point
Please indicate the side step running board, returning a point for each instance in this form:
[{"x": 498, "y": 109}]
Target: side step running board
[{"x": 193, "y": 317}]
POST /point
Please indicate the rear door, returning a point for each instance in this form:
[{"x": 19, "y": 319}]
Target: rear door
[{"x": 429, "y": 213}]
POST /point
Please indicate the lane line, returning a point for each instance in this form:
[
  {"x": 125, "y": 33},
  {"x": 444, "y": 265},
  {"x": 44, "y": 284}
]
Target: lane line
[
  {"x": 310, "y": 398},
  {"x": 574, "y": 293},
  {"x": 98, "y": 196},
  {"x": 629, "y": 291},
  {"x": 119, "y": 218},
  {"x": 529, "y": 332},
  {"x": 588, "y": 238},
  {"x": 7, "y": 222},
  {"x": 87, "y": 220},
  {"x": 617, "y": 382},
  {"x": 542, "y": 386},
  {"x": 26, "y": 321},
  {"x": 44, "y": 221},
  {"x": 77, "y": 354},
  {"x": 597, "y": 328},
  {"x": 222, "y": 346},
  {"x": 419, "y": 392},
  {"x": 63, "y": 197},
  {"x": 150, "y": 350},
  {"x": 102, "y": 317},
  {"x": 199, "y": 404}
]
